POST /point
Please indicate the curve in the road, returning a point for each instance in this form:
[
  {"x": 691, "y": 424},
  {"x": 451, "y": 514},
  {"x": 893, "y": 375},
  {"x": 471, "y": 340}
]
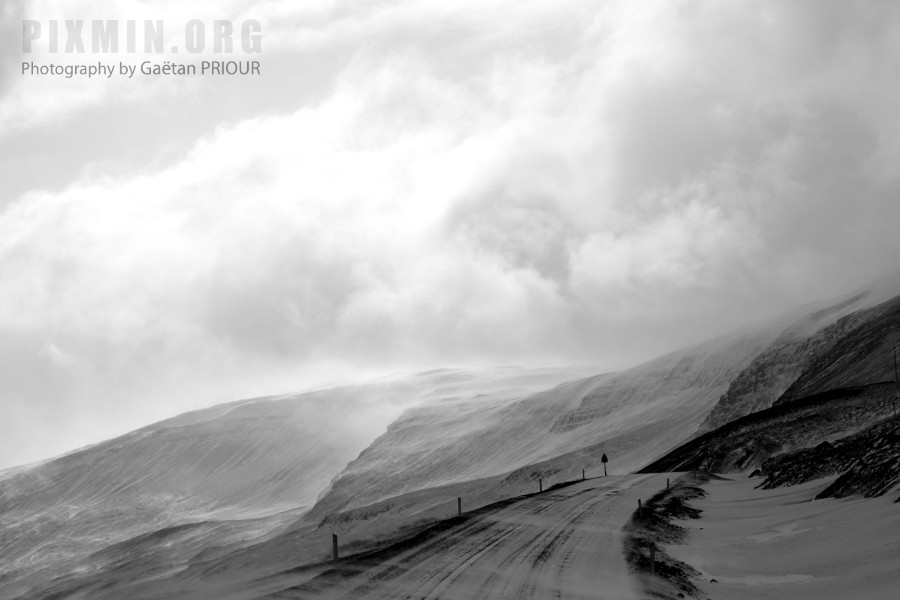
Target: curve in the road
[{"x": 564, "y": 543}]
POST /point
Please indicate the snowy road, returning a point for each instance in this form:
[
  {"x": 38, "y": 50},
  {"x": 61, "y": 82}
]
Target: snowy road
[{"x": 564, "y": 543}]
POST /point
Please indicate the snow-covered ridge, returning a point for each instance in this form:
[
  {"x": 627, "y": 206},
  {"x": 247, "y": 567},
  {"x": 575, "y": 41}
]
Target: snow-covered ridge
[
  {"x": 215, "y": 487},
  {"x": 259, "y": 462}
]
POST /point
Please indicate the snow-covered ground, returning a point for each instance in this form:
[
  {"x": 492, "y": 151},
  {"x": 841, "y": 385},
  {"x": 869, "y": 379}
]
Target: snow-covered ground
[
  {"x": 222, "y": 477},
  {"x": 782, "y": 544},
  {"x": 211, "y": 503},
  {"x": 564, "y": 543}
]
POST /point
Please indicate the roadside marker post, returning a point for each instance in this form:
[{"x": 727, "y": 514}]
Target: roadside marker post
[
  {"x": 459, "y": 505},
  {"x": 334, "y": 545},
  {"x": 896, "y": 379}
]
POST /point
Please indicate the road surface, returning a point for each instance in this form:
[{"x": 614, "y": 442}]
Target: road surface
[{"x": 564, "y": 543}]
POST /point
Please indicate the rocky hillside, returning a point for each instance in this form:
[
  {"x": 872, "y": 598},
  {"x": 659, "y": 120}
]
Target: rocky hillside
[
  {"x": 827, "y": 346},
  {"x": 861, "y": 352},
  {"x": 868, "y": 463},
  {"x": 750, "y": 441}
]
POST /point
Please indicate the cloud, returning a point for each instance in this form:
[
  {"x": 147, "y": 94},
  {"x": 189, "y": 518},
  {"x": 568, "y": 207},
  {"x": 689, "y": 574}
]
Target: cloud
[{"x": 478, "y": 182}]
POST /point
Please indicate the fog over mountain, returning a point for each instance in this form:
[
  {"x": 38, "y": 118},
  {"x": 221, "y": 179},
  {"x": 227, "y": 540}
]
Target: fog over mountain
[
  {"x": 439, "y": 300},
  {"x": 247, "y": 492},
  {"x": 412, "y": 185}
]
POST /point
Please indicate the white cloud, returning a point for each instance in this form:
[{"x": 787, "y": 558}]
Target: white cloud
[{"x": 554, "y": 184}]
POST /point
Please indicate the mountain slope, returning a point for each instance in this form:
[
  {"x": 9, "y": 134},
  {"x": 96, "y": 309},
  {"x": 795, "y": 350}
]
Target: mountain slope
[
  {"x": 631, "y": 416},
  {"x": 751, "y": 441},
  {"x": 641, "y": 412},
  {"x": 862, "y": 352},
  {"x": 238, "y": 471},
  {"x": 868, "y": 463},
  {"x": 229, "y": 489},
  {"x": 813, "y": 336}
]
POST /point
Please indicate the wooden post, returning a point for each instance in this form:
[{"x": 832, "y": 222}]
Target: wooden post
[
  {"x": 640, "y": 509},
  {"x": 458, "y": 505},
  {"x": 667, "y": 484},
  {"x": 896, "y": 379},
  {"x": 540, "y": 485},
  {"x": 582, "y": 475},
  {"x": 334, "y": 548},
  {"x": 652, "y": 559}
]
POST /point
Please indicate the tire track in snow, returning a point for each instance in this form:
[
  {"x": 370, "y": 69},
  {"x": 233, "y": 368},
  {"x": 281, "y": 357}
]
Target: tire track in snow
[{"x": 563, "y": 544}]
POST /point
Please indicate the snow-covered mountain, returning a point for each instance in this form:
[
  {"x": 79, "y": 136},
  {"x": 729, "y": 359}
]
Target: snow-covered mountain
[
  {"x": 641, "y": 412},
  {"x": 253, "y": 487},
  {"x": 255, "y": 465},
  {"x": 632, "y": 416},
  {"x": 854, "y": 334}
]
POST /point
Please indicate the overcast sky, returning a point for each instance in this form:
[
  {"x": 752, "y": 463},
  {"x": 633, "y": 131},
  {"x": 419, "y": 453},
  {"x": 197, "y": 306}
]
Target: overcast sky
[{"x": 412, "y": 184}]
